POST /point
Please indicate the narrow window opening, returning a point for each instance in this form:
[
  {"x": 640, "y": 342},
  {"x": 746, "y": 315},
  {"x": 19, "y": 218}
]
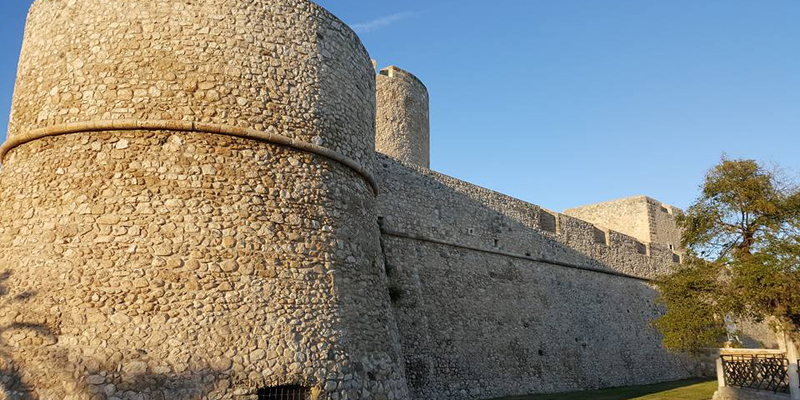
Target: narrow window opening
[
  {"x": 496, "y": 243},
  {"x": 283, "y": 393}
]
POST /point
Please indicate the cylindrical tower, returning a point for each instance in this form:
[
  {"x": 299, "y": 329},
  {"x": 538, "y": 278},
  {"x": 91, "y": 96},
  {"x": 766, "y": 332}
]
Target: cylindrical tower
[
  {"x": 403, "y": 122},
  {"x": 189, "y": 208}
]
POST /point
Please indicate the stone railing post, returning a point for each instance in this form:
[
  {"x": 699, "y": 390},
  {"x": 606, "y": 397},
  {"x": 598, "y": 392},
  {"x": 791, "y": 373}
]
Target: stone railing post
[
  {"x": 794, "y": 379},
  {"x": 720, "y": 372}
]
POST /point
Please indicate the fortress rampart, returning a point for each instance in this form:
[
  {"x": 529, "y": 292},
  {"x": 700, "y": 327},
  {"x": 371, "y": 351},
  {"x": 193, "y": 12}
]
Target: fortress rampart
[
  {"x": 193, "y": 207},
  {"x": 644, "y": 218},
  {"x": 496, "y": 297}
]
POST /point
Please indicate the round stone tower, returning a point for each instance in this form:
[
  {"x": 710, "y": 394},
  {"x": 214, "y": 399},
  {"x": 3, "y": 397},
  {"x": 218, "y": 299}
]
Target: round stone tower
[
  {"x": 188, "y": 206},
  {"x": 403, "y": 123}
]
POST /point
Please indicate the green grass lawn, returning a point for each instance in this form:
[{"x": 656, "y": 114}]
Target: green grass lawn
[{"x": 682, "y": 390}]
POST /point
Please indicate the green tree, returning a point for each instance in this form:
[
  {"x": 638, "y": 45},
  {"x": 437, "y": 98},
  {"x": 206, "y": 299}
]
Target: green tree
[{"x": 742, "y": 236}]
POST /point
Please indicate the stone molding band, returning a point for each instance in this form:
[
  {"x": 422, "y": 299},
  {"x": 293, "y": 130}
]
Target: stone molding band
[
  {"x": 186, "y": 126},
  {"x": 411, "y": 236}
]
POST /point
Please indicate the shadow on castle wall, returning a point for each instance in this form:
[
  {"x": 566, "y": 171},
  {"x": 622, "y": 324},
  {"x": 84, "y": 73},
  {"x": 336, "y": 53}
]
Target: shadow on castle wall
[
  {"x": 485, "y": 319},
  {"x": 11, "y": 376},
  {"x": 80, "y": 379}
]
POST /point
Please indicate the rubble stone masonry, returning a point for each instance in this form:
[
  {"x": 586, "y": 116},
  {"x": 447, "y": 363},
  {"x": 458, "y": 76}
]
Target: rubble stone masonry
[
  {"x": 189, "y": 208},
  {"x": 193, "y": 208},
  {"x": 403, "y": 122}
]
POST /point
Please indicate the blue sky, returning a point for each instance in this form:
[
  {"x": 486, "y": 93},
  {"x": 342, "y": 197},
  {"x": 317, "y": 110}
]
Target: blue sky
[{"x": 570, "y": 102}]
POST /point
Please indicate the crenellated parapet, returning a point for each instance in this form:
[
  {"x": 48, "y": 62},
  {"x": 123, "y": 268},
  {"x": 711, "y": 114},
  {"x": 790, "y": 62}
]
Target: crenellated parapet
[
  {"x": 479, "y": 218},
  {"x": 646, "y": 219}
]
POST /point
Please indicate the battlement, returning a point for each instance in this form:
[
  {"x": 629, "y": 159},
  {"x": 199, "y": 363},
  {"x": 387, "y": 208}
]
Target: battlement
[
  {"x": 644, "y": 218},
  {"x": 399, "y": 73},
  {"x": 479, "y": 218}
]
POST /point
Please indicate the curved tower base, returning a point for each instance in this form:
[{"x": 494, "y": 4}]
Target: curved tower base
[
  {"x": 178, "y": 265},
  {"x": 188, "y": 208}
]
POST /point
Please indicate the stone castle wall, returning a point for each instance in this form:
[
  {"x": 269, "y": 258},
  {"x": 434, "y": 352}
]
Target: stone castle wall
[
  {"x": 190, "y": 212},
  {"x": 646, "y": 219},
  {"x": 652, "y": 221},
  {"x": 629, "y": 216},
  {"x": 498, "y": 297},
  {"x": 273, "y": 66},
  {"x": 189, "y": 208},
  {"x": 403, "y": 122},
  {"x": 663, "y": 227}
]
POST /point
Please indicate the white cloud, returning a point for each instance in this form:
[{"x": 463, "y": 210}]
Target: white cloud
[{"x": 379, "y": 23}]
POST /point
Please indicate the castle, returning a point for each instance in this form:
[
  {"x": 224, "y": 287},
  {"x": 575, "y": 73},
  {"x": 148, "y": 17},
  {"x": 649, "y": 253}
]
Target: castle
[{"x": 193, "y": 207}]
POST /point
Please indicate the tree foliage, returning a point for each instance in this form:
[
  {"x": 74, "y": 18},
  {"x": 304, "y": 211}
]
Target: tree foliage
[{"x": 742, "y": 236}]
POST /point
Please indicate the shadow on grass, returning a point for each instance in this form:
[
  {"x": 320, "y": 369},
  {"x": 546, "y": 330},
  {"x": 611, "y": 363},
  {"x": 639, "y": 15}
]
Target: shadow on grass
[{"x": 693, "y": 389}]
